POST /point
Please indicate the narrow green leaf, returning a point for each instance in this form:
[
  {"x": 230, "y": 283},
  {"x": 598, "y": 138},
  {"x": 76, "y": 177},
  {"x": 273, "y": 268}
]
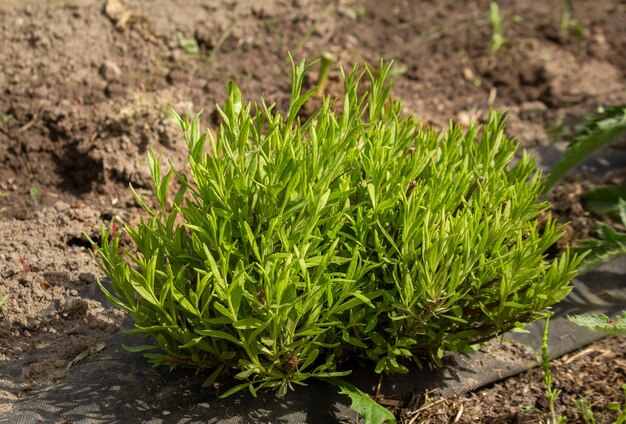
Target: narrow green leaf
[
  {"x": 252, "y": 241},
  {"x": 219, "y": 335},
  {"x": 363, "y": 299},
  {"x": 312, "y": 356},
  {"x": 235, "y": 389},
  {"x": 371, "y": 191},
  {"x": 248, "y": 324},
  {"x": 214, "y": 376}
]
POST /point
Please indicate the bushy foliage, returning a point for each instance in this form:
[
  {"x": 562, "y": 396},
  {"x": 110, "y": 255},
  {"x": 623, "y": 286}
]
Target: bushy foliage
[{"x": 295, "y": 243}]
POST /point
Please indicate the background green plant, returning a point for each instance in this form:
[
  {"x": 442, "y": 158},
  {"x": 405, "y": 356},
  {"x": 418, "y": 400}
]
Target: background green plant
[
  {"x": 596, "y": 132},
  {"x": 612, "y": 327},
  {"x": 608, "y": 243},
  {"x": 590, "y": 418},
  {"x": 498, "y": 40},
  {"x": 293, "y": 244},
  {"x": 568, "y": 25}
]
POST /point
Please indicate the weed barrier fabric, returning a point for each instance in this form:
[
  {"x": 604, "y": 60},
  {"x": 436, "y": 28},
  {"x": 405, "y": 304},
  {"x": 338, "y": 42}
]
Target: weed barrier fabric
[{"x": 115, "y": 386}]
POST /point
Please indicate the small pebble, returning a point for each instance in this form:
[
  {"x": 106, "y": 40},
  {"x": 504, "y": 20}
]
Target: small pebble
[
  {"x": 110, "y": 71},
  {"x": 464, "y": 118}
]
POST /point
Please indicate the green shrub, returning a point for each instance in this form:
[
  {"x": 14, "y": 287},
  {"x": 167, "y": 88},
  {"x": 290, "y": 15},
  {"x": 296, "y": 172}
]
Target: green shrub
[{"x": 294, "y": 244}]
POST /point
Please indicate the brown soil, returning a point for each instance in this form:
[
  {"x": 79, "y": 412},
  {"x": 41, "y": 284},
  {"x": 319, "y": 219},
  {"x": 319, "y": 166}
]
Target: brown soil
[{"x": 85, "y": 87}]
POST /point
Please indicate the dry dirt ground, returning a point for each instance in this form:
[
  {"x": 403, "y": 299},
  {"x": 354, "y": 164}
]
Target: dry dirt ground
[{"x": 84, "y": 90}]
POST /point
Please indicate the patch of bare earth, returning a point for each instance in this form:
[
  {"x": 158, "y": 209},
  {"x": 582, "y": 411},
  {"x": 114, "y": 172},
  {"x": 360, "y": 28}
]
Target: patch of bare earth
[{"x": 595, "y": 374}]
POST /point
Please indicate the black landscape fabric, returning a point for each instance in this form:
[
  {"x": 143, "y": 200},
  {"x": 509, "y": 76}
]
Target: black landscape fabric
[{"x": 115, "y": 386}]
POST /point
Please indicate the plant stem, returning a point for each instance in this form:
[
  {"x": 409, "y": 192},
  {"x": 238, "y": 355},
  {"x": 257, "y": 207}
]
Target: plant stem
[
  {"x": 326, "y": 60},
  {"x": 551, "y": 394}
]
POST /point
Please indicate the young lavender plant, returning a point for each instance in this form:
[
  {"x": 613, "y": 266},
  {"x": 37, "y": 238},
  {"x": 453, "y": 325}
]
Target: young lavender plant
[{"x": 293, "y": 244}]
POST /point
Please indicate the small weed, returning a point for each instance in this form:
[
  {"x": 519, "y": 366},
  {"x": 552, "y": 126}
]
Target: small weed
[
  {"x": 189, "y": 45},
  {"x": 546, "y": 57},
  {"x": 597, "y": 322},
  {"x": 360, "y": 11},
  {"x": 398, "y": 70},
  {"x": 565, "y": 20},
  {"x": 568, "y": 25},
  {"x": 589, "y": 417},
  {"x": 219, "y": 44},
  {"x": 551, "y": 394},
  {"x": 5, "y": 122},
  {"x": 498, "y": 40}
]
